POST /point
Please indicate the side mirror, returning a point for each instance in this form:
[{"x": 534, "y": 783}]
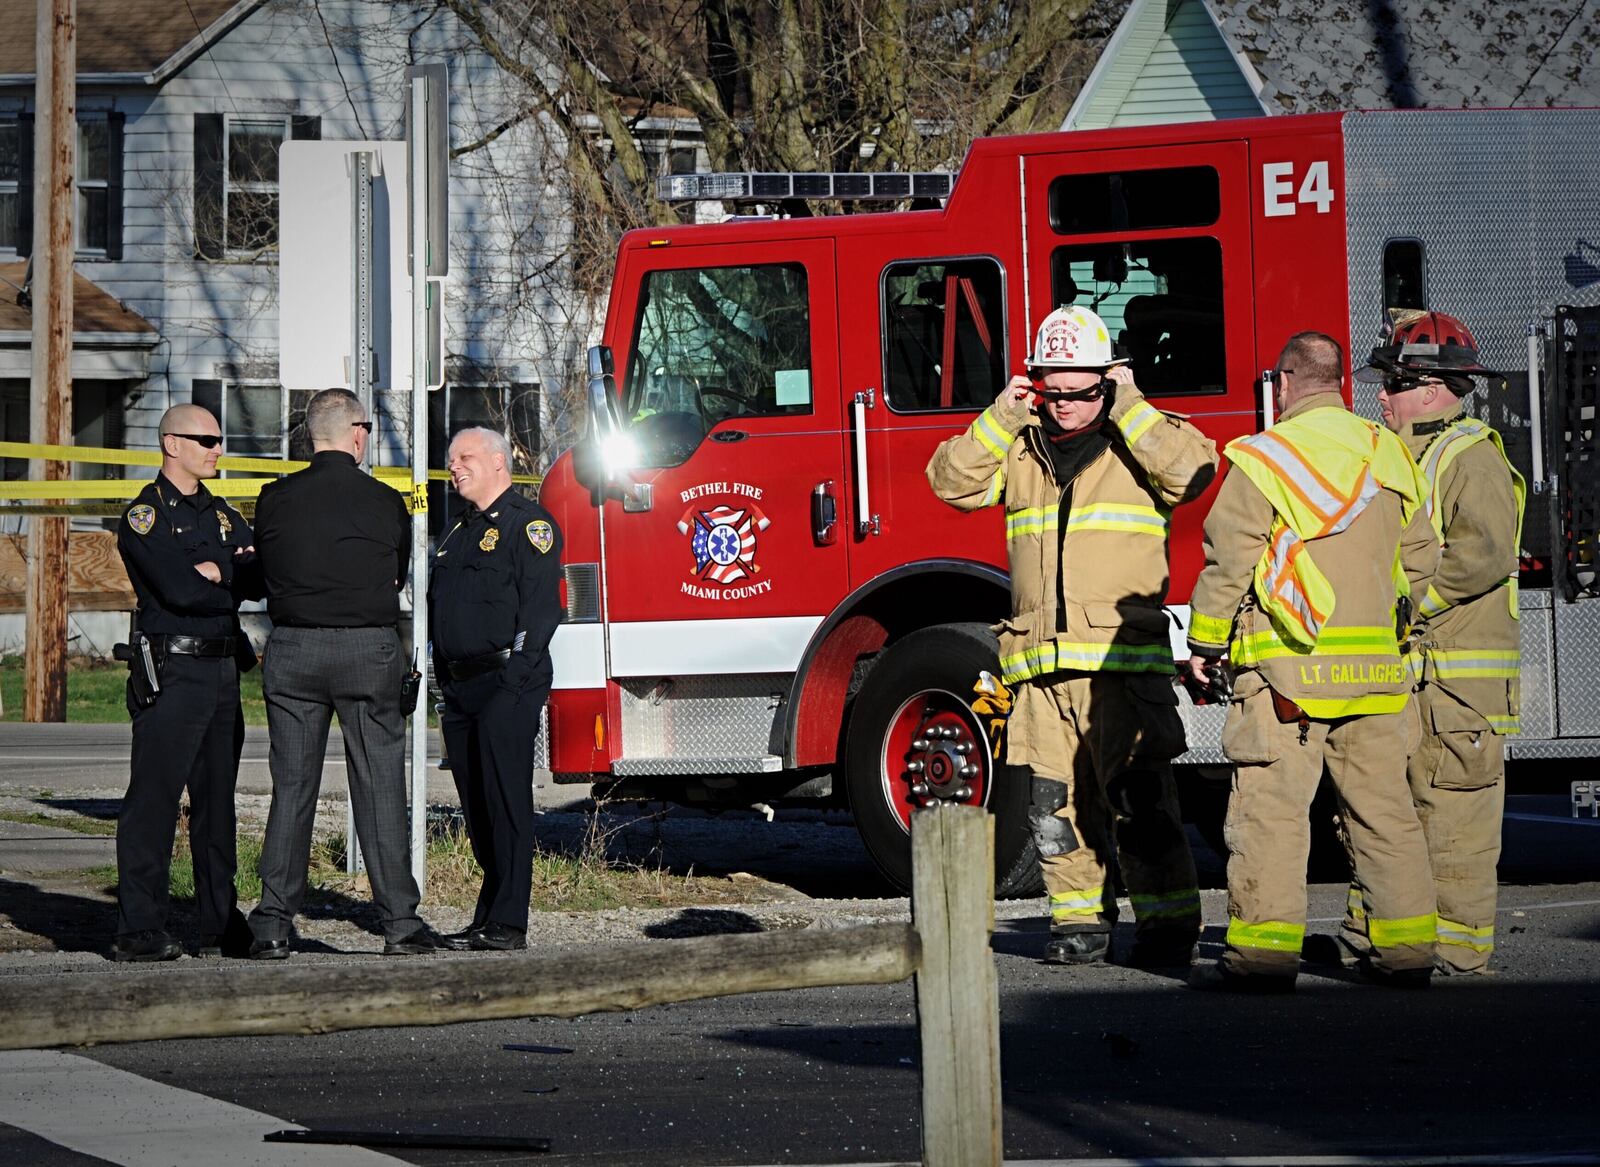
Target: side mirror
[{"x": 613, "y": 452}]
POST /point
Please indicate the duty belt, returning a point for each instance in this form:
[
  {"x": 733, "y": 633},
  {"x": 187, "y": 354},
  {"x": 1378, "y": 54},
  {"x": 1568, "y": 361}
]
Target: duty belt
[
  {"x": 196, "y": 645},
  {"x": 476, "y": 666}
]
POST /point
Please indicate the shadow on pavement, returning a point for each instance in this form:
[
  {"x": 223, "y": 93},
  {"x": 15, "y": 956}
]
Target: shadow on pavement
[{"x": 72, "y": 923}]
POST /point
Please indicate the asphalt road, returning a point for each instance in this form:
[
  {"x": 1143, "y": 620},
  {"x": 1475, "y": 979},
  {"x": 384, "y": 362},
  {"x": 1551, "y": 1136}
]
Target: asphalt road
[{"x": 1099, "y": 1064}]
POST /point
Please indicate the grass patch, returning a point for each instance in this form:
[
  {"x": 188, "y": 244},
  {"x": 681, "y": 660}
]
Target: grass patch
[
  {"x": 96, "y": 691},
  {"x": 79, "y": 823}
]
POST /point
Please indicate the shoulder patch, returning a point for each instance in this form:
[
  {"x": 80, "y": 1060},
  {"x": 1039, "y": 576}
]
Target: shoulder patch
[
  {"x": 141, "y": 518},
  {"x": 542, "y": 535}
]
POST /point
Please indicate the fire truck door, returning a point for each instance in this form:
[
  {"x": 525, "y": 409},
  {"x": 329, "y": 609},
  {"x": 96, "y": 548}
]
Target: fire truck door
[
  {"x": 730, "y": 390},
  {"x": 1156, "y": 240}
]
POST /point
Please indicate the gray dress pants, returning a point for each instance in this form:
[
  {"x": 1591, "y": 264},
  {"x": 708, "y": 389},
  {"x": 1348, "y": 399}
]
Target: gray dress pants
[{"x": 309, "y": 675}]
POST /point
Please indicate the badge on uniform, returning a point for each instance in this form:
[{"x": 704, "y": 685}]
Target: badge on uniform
[
  {"x": 225, "y": 524},
  {"x": 141, "y": 518},
  {"x": 491, "y": 537},
  {"x": 541, "y": 535}
]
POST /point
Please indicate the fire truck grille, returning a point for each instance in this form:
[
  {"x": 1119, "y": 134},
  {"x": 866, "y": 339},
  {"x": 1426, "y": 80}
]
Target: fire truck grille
[{"x": 583, "y": 592}]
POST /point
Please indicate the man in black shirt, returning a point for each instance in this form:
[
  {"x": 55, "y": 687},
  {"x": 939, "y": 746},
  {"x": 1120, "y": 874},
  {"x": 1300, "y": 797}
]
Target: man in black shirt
[
  {"x": 494, "y": 602},
  {"x": 190, "y": 559},
  {"x": 333, "y": 543}
]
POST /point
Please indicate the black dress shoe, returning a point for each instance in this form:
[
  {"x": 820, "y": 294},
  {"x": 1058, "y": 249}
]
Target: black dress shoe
[
  {"x": 234, "y": 941},
  {"x": 415, "y": 944},
  {"x": 494, "y": 937},
  {"x": 459, "y": 941},
  {"x": 276, "y": 949},
  {"x": 145, "y": 946}
]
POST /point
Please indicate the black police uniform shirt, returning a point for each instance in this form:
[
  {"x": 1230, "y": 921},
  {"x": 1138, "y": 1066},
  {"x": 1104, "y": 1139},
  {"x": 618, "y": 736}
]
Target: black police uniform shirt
[
  {"x": 163, "y": 534},
  {"x": 496, "y": 584}
]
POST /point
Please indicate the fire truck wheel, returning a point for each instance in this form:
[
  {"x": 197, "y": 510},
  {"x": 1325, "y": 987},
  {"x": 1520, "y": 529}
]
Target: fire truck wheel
[{"x": 914, "y": 739}]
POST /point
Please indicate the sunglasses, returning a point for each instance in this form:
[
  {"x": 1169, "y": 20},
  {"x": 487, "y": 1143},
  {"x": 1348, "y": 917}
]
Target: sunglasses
[
  {"x": 209, "y": 441},
  {"x": 1093, "y": 393},
  {"x": 1275, "y": 376},
  {"x": 366, "y": 425}
]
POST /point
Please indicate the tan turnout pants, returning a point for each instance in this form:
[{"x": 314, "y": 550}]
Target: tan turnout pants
[
  {"x": 1110, "y": 738},
  {"x": 1268, "y": 833},
  {"x": 1457, "y": 779}
]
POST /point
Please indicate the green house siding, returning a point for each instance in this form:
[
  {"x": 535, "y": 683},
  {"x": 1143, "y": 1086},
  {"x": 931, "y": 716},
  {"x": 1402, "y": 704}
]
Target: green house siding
[{"x": 1168, "y": 63}]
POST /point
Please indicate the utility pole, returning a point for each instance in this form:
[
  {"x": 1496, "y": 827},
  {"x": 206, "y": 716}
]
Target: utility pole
[{"x": 50, "y": 410}]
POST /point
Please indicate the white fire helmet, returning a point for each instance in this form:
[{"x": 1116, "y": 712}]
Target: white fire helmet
[{"x": 1073, "y": 338}]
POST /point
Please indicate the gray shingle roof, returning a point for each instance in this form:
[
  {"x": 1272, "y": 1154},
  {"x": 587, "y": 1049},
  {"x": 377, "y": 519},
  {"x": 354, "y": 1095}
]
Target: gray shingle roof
[{"x": 1450, "y": 54}]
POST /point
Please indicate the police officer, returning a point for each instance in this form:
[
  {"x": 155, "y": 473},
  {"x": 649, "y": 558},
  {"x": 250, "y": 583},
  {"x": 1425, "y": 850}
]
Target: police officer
[
  {"x": 1313, "y": 546},
  {"x": 191, "y": 559},
  {"x": 1468, "y": 645},
  {"x": 493, "y": 605},
  {"x": 1088, "y": 482}
]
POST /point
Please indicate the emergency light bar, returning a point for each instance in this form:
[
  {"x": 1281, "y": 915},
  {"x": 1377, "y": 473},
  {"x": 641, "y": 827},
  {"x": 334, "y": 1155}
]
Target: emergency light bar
[{"x": 751, "y": 186}]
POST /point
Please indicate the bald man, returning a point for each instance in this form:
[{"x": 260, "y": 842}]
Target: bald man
[{"x": 191, "y": 559}]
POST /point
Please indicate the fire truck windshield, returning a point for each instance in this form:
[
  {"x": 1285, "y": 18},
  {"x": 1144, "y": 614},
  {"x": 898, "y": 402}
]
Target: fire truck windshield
[{"x": 712, "y": 344}]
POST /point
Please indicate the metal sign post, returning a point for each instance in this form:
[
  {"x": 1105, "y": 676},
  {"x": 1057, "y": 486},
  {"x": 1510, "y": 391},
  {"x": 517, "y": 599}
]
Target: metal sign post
[{"x": 427, "y": 139}]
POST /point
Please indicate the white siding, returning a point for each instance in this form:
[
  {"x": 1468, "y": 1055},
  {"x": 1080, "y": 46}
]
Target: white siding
[{"x": 217, "y": 315}]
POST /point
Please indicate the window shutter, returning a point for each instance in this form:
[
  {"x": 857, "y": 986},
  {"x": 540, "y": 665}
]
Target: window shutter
[
  {"x": 24, "y": 184},
  {"x": 305, "y": 128},
  {"x": 114, "y": 123},
  {"x": 207, "y": 394},
  {"x": 210, "y": 231}
]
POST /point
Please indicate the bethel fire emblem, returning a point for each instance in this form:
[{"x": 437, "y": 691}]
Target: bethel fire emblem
[{"x": 723, "y": 541}]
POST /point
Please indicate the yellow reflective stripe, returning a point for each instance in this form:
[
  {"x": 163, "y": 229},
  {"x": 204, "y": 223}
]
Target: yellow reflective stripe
[
  {"x": 1138, "y": 420},
  {"x": 1410, "y": 930},
  {"x": 1477, "y": 939},
  {"x": 1432, "y": 603},
  {"x": 1355, "y": 903},
  {"x": 1270, "y": 935},
  {"x": 1504, "y": 723},
  {"x": 991, "y": 435},
  {"x": 1168, "y": 906},
  {"x": 1461, "y": 664},
  {"x": 1129, "y": 517},
  {"x": 1355, "y": 640},
  {"x": 1030, "y": 521},
  {"x": 997, "y": 487},
  {"x": 1054, "y": 655},
  {"x": 1065, "y": 905},
  {"x": 1209, "y": 629}
]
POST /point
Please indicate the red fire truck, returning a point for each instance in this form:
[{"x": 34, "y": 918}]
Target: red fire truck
[{"x": 765, "y": 601}]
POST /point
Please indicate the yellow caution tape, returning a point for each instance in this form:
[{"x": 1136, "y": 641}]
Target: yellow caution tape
[{"x": 398, "y": 477}]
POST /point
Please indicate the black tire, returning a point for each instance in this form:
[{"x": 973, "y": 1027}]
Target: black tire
[{"x": 943, "y": 662}]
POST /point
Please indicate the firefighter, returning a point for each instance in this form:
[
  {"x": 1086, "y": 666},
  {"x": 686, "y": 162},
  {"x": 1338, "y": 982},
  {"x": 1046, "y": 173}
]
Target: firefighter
[
  {"x": 1316, "y": 541},
  {"x": 1089, "y": 478},
  {"x": 1467, "y": 646}
]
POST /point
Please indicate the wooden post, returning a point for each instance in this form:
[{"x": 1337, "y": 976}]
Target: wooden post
[
  {"x": 50, "y": 413},
  {"x": 958, "y": 998}
]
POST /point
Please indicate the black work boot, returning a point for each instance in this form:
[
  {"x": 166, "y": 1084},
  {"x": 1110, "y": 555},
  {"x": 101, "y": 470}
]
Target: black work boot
[
  {"x": 1158, "y": 949},
  {"x": 1219, "y": 978},
  {"x": 1395, "y": 978},
  {"x": 1077, "y": 947},
  {"x": 1319, "y": 948}
]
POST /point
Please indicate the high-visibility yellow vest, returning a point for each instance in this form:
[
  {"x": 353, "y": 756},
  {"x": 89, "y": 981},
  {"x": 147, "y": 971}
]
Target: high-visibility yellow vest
[{"x": 1319, "y": 476}]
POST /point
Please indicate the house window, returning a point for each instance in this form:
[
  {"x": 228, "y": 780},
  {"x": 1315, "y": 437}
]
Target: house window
[
  {"x": 252, "y": 414},
  {"x": 236, "y": 181},
  {"x": 10, "y": 176},
  {"x": 94, "y": 173},
  {"x": 943, "y": 334}
]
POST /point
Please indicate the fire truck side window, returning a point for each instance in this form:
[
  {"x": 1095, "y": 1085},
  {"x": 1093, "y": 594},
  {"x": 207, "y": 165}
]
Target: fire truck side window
[
  {"x": 1403, "y": 274},
  {"x": 943, "y": 334},
  {"x": 1135, "y": 200},
  {"x": 1161, "y": 299},
  {"x": 716, "y": 343}
]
